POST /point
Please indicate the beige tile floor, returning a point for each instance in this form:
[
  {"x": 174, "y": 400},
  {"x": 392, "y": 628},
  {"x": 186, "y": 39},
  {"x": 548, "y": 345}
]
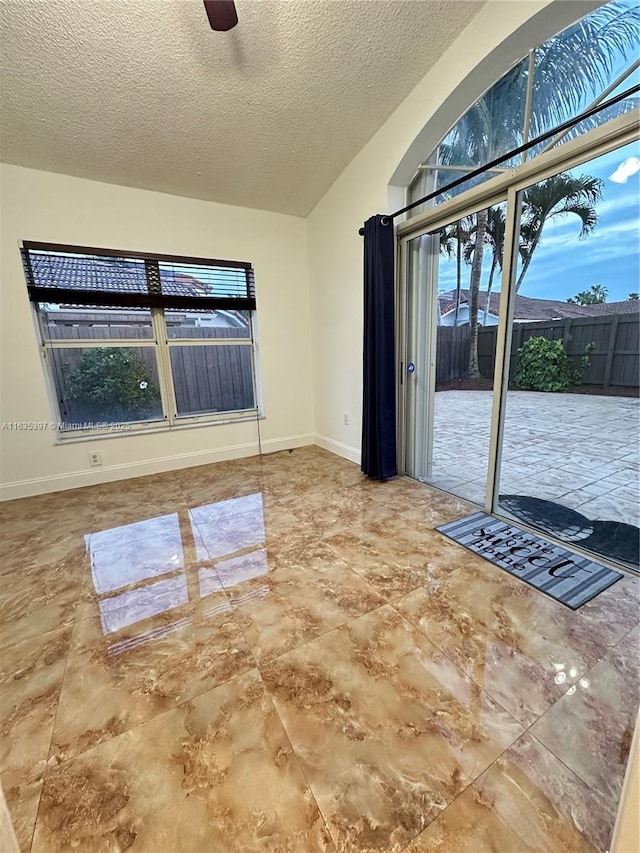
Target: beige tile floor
[{"x": 278, "y": 655}]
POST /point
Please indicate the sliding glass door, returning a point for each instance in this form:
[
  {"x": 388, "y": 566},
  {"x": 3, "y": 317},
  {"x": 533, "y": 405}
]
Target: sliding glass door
[
  {"x": 569, "y": 440},
  {"x": 519, "y": 357},
  {"x": 453, "y": 294}
]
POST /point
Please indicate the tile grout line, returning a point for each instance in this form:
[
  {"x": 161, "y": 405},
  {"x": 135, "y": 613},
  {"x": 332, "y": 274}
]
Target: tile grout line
[
  {"x": 466, "y": 674},
  {"x": 267, "y": 661},
  {"x": 47, "y": 768},
  {"x": 298, "y": 761},
  {"x": 236, "y": 614},
  {"x": 590, "y": 788},
  {"x": 465, "y": 789},
  {"x": 560, "y": 698},
  {"x": 411, "y": 626},
  {"x": 150, "y": 719},
  {"x": 258, "y": 664}
]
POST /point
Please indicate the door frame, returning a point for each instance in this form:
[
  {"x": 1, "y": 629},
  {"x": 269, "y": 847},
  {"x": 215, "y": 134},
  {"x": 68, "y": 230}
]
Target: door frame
[{"x": 510, "y": 185}]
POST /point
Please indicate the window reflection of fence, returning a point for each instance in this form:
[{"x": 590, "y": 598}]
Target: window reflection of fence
[
  {"x": 613, "y": 357},
  {"x": 207, "y": 379}
]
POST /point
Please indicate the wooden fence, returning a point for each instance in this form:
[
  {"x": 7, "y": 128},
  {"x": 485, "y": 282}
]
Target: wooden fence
[
  {"x": 452, "y": 353},
  {"x": 206, "y": 378},
  {"x": 614, "y": 356}
]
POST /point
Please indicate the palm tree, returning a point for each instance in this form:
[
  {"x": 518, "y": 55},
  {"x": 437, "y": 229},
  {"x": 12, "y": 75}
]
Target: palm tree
[
  {"x": 600, "y": 293},
  {"x": 454, "y": 238},
  {"x": 560, "y": 195},
  {"x": 596, "y": 295},
  {"x": 496, "y": 232},
  {"x": 569, "y": 68},
  {"x": 494, "y": 237}
]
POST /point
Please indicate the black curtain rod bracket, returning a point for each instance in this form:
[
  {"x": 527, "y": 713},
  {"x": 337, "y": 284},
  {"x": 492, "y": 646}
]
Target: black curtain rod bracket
[{"x": 386, "y": 220}]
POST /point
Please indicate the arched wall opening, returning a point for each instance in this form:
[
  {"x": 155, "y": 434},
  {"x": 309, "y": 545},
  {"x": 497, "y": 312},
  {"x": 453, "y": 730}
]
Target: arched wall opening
[{"x": 551, "y": 19}]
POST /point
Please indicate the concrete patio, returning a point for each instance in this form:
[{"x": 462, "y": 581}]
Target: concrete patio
[{"x": 577, "y": 450}]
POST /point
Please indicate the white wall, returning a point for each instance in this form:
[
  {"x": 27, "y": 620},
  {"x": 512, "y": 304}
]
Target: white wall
[
  {"x": 298, "y": 354},
  {"x": 500, "y": 34},
  {"x": 60, "y": 209}
]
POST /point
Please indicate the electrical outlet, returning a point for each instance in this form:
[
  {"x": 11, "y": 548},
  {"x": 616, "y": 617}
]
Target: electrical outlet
[
  {"x": 346, "y": 418},
  {"x": 95, "y": 459}
]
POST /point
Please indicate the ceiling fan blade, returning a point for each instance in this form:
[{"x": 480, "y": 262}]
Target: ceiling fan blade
[{"x": 222, "y": 14}]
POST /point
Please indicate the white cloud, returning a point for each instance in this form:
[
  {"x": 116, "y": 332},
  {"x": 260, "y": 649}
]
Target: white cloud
[{"x": 625, "y": 170}]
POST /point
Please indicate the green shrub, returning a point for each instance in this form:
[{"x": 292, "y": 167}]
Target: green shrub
[
  {"x": 113, "y": 384},
  {"x": 544, "y": 365}
]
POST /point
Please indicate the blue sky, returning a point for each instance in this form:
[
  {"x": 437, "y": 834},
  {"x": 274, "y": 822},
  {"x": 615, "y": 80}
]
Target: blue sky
[{"x": 563, "y": 264}]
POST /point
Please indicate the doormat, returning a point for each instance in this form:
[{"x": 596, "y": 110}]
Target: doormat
[
  {"x": 613, "y": 539},
  {"x": 569, "y": 578}
]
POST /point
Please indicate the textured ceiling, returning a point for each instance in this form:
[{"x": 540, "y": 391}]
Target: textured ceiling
[{"x": 143, "y": 93}]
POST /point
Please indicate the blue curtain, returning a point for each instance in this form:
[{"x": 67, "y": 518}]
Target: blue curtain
[{"x": 379, "y": 371}]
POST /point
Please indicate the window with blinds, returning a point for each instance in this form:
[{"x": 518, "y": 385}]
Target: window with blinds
[{"x": 137, "y": 340}]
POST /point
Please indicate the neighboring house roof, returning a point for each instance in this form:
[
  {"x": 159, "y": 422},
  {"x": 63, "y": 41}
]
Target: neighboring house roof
[
  {"x": 527, "y": 308},
  {"x": 629, "y": 306},
  {"x": 90, "y": 273}
]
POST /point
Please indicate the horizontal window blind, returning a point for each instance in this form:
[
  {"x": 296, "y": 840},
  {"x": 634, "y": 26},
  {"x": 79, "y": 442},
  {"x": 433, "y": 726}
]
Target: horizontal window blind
[{"x": 77, "y": 275}]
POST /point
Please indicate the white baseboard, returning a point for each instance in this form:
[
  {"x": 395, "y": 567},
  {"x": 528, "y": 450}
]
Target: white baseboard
[
  {"x": 110, "y": 473},
  {"x": 337, "y": 447}
]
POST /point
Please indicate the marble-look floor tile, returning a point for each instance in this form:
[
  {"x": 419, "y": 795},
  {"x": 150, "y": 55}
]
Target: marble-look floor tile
[
  {"x": 216, "y": 774},
  {"x": 296, "y": 603},
  {"x": 129, "y": 554},
  {"x": 124, "y": 606},
  {"x": 216, "y": 488},
  {"x": 388, "y": 731},
  {"x": 392, "y": 567},
  {"x": 149, "y": 546},
  {"x": 8, "y": 839},
  {"x": 68, "y": 509},
  {"x": 36, "y": 599},
  {"x": 410, "y": 535},
  {"x": 612, "y": 613},
  {"x": 292, "y": 550},
  {"x": 590, "y": 728},
  {"x": 226, "y": 527},
  {"x": 137, "y": 489},
  {"x": 204, "y": 484},
  {"x": 149, "y": 663},
  {"x": 527, "y": 802},
  {"x": 420, "y": 496},
  {"x": 121, "y": 521},
  {"x": 331, "y": 510},
  {"x": 31, "y": 675},
  {"x": 279, "y": 485},
  {"x": 22, "y": 806},
  {"x": 521, "y": 646},
  {"x": 290, "y": 475},
  {"x": 400, "y": 493},
  {"x": 58, "y": 537}
]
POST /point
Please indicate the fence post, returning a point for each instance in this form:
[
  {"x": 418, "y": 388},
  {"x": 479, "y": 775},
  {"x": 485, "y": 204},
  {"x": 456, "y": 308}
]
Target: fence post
[
  {"x": 613, "y": 334},
  {"x": 566, "y": 334}
]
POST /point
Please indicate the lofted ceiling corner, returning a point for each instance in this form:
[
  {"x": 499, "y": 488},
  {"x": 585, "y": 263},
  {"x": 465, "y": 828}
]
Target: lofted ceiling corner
[{"x": 143, "y": 93}]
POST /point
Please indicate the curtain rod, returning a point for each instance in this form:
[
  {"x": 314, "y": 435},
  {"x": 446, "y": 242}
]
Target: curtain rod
[{"x": 567, "y": 125}]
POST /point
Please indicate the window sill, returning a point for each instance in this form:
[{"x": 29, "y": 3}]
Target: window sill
[{"x": 76, "y": 437}]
